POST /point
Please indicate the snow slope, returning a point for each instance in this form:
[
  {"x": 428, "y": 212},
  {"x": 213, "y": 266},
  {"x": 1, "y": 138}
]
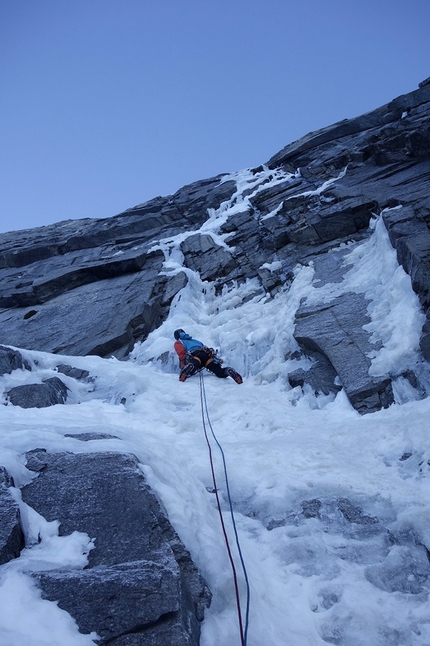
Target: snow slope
[{"x": 315, "y": 577}]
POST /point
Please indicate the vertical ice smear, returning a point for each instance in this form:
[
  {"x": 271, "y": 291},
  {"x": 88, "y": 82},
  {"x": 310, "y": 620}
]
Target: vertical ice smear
[
  {"x": 253, "y": 332},
  {"x": 249, "y": 183},
  {"x": 395, "y": 311},
  {"x": 324, "y": 186},
  {"x": 253, "y": 182}
]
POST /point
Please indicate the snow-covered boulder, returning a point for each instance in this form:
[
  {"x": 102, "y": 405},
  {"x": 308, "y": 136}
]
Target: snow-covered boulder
[
  {"x": 52, "y": 391},
  {"x": 140, "y": 586}
]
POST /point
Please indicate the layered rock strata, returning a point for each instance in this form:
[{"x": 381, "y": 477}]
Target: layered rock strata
[{"x": 98, "y": 286}]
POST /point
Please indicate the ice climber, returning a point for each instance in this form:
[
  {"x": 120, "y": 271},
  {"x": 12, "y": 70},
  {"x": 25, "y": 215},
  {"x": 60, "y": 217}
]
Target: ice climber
[{"x": 193, "y": 356}]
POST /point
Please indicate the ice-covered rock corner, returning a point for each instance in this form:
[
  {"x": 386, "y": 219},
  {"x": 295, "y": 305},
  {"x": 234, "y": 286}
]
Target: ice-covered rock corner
[{"x": 310, "y": 275}]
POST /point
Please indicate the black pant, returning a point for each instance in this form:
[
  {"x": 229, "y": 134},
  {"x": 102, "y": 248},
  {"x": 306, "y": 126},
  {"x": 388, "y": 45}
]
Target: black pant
[{"x": 202, "y": 358}]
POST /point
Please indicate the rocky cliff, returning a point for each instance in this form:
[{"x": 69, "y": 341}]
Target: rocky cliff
[{"x": 98, "y": 286}]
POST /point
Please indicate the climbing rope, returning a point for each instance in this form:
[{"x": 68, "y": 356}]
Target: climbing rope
[{"x": 205, "y": 416}]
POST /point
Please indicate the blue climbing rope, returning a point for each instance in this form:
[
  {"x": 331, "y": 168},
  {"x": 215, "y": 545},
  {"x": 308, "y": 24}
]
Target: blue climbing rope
[{"x": 205, "y": 412}]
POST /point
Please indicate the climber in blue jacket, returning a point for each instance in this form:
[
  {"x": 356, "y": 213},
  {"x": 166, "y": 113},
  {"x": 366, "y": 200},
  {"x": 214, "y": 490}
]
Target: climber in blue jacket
[{"x": 194, "y": 356}]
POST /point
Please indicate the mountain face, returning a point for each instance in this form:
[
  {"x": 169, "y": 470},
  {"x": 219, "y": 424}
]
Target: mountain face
[
  {"x": 98, "y": 286},
  {"x": 312, "y": 223}
]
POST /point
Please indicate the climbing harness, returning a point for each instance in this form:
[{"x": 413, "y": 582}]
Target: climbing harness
[{"x": 243, "y": 626}]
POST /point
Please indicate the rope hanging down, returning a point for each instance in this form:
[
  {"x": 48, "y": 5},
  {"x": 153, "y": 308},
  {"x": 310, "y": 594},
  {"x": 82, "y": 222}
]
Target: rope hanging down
[{"x": 205, "y": 416}]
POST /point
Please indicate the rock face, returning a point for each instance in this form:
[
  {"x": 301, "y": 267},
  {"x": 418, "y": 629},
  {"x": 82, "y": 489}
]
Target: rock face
[
  {"x": 50, "y": 392},
  {"x": 97, "y": 286},
  {"x": 11, "y": 538},
  {"x": 326, "y": 331},
  {"x": 94, "y": 286},
  {"x": 11, "y": 360},
  {"x": 140, "y": 587}
]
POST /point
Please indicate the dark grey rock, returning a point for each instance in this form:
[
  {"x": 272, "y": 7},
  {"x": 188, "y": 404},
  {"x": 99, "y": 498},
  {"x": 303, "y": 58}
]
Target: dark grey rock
[
  {"x": 311, "y": 508},
  {"x": 141, "y": 586},
  {"x": 138, "y": 601},
  {"x": 206, "y": 257},
  {"x": 390, "y": 112},
  {"x": 11, "y": 537},
  {"x": 194, "y": 199},
  {"x": 335, "y": 330},
  {"x": 345, "y": 218},
  {"x": 405, "y": 456},
  {"x": 173, "y": 286},
  {"x": 86, "y": 437},
  {"x": 94, "y": 286},
  {"x": 11, "y": 360},
  {"x": 50, "y": 392},
  {"x": 409, "y": 233},
  {"x": 354, "y": 514},
  {"x": 321, "y": 376},
  {"x": 160, "y": 217},
  {"x": 425, "y": 340},
  {"x": 74, "y": 373},
  {"x": 102, "y": 329},
  {"x": 86, "y": 321}
]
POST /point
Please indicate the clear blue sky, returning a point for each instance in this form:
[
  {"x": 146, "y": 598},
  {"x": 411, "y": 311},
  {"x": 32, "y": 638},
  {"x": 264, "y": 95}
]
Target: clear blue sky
[{"x": 105, "y": 104}]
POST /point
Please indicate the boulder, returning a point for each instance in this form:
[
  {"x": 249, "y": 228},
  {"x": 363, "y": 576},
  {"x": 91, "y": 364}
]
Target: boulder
[
  {"x": 140, "y": 587},
  {"x": 52, "y": 391},
  {"x": 132, "y": 603},
  {"x": 91, "y": 435},
  {"x": 74, "y": 373}
]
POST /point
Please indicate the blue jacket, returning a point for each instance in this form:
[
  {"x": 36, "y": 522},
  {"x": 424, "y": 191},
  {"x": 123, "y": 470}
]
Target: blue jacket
[{"x": 190, "y": 344}]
